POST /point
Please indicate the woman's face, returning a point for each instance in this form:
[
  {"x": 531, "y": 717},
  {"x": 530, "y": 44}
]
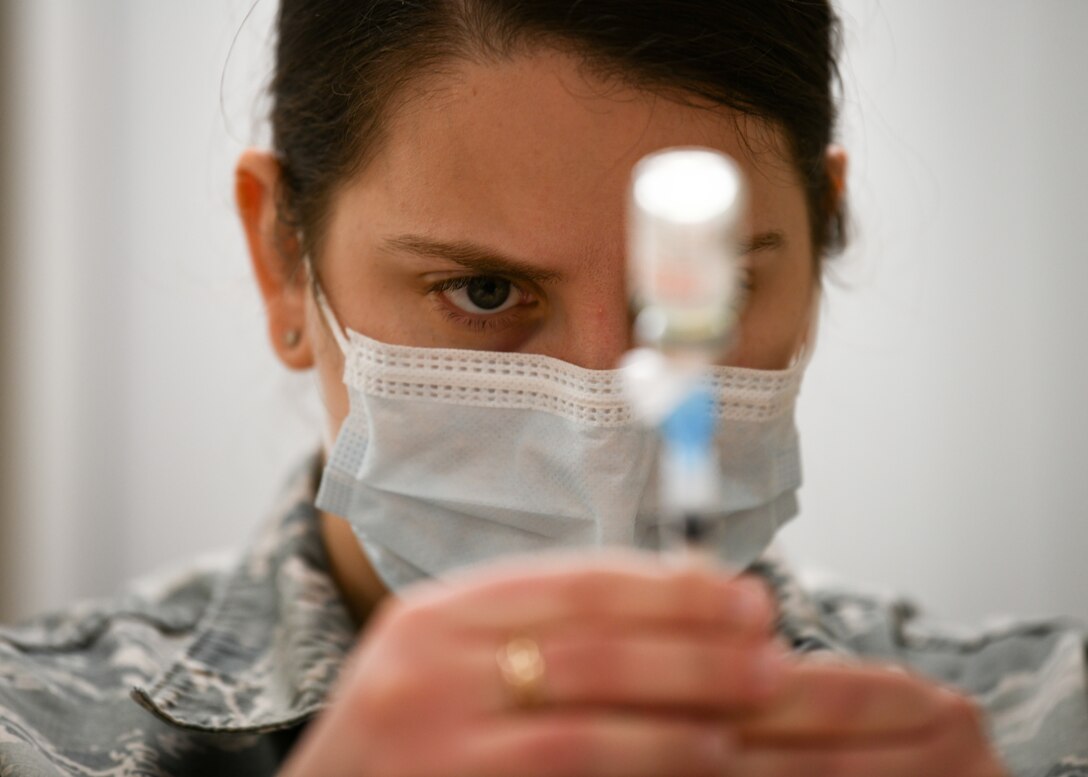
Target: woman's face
[{"x": 492, "y": 218}]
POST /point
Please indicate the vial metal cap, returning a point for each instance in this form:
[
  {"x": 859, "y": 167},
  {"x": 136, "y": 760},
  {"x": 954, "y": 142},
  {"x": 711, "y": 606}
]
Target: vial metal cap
[{"x": 685, "y": 210}]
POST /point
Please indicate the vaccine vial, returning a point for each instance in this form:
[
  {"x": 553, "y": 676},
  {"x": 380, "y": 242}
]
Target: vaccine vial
[{"x": 685, "y": 272}]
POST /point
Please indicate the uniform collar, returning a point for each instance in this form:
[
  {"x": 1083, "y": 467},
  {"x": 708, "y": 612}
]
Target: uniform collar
[
  {"x": 274, "y": 637},
  {"x": 801, "y": 622}
]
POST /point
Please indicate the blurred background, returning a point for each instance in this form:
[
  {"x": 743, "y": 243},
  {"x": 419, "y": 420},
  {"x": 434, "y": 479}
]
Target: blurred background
[{"x": 144, "y": 419}]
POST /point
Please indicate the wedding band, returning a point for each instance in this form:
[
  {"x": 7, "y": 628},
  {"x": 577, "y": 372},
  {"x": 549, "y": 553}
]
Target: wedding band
[{"x": 522, "y": 668}]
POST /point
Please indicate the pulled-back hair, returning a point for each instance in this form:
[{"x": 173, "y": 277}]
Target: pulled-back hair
[{"x": 342, "y": 64}]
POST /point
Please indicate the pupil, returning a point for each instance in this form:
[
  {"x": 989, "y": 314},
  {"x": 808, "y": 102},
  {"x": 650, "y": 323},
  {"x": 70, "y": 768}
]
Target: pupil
[{"x": 488, "y": 293}]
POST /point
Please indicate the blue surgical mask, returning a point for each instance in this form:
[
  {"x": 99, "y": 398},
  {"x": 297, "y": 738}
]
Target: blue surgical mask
[{"x": 451, "y": 457}]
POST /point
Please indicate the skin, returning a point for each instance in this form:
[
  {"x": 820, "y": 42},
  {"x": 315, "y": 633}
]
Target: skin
[{"x": 530, "y": 159}]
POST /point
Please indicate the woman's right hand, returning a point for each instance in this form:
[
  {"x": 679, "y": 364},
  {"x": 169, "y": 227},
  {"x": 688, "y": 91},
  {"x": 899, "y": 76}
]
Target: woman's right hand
[{"x": 643, "y": 660}]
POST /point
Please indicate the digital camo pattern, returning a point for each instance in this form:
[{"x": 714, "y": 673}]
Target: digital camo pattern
[
  {"x": 215, "y": 672},
  {"x": 1029, "y": 677},
  {"x": 212, "y": 673}
]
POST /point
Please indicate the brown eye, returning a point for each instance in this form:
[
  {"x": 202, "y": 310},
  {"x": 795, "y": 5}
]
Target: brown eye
[
  {"x": 488, "y": 293},
  {"x": 481, "y": 294}
]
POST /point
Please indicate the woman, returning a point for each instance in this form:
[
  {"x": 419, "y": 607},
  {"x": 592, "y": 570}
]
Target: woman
[{"x": 442, "y": 212}]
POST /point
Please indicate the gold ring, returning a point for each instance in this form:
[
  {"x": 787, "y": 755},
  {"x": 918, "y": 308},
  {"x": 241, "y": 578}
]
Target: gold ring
[{"x": 522, "y": 668}]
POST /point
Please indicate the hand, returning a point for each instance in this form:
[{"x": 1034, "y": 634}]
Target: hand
[
  {"x": 863, "y": 721},
  {"x": 643, "y": 661}
]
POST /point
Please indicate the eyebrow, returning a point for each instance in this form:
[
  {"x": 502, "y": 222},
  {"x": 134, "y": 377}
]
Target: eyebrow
[
  {"x": 485, "y": 261},
  {"x": 763, "y": 241},
  {"x": 479, "y": 259}
]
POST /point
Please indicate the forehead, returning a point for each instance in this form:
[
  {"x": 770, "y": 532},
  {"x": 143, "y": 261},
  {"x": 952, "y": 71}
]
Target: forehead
[{"x": 538, "y": 151}]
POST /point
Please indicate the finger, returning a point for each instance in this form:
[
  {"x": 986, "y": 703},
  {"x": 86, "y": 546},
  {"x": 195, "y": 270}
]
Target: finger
[
  {"x": 696, "y": 673},
  {"x": 902, "y": 761},
  {"x": 821, "y": 701},
  {"x": 956, "y": 747},
  {"x": 585, "y": 745},
  {"x": 602, "y": 588}
]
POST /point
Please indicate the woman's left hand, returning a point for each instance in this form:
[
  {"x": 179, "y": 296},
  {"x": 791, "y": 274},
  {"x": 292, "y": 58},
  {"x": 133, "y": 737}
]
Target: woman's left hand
[{"x": 836, "y": 720}]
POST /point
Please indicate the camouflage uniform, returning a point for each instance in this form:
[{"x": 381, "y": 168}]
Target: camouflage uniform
[{"x": 218, "y": 670}]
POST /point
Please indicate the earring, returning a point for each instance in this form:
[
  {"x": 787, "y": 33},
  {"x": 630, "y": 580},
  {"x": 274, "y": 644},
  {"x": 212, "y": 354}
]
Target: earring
[{"x": 292, "y": 337}]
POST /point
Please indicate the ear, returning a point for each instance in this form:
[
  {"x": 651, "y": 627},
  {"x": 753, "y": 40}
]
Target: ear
[
  {"x": 837, "y": 167},
  {"x": 275, "y": 255}
]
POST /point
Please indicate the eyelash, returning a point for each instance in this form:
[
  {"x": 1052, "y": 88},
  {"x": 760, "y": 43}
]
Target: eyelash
[{"x": 478, "y": 323}]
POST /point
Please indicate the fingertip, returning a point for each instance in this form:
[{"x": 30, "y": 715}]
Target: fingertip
[{"x": 750, "y": 604}]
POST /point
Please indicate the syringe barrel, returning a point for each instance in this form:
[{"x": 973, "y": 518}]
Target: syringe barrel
[{"x": 685, "y": 220}]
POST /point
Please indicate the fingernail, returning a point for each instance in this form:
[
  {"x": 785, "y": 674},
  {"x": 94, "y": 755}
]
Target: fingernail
[
  {"x": 768, "y": 670},
  {"x": 716, "y": 746},
  {"x": 750, "y": 603}
]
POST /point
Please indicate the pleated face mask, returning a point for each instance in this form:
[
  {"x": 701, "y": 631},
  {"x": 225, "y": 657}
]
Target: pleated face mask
[{"x": 452, "y": 457}]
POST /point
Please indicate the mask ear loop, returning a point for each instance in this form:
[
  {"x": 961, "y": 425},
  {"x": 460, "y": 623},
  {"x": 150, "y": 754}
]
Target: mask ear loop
[
  {"x": 328, "y": 434},
  {"x": 327, "y": 313}
]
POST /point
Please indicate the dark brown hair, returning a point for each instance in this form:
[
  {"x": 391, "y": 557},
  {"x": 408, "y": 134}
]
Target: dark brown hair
[{"x": 341, "y": 64}]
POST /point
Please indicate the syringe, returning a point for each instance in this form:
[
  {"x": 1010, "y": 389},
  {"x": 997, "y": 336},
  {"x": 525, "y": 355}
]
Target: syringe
[{"x": 685, "y": 277}]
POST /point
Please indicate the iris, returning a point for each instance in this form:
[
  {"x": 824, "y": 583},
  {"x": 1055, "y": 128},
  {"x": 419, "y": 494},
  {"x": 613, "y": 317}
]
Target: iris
[{"x": 488, "y": 293}]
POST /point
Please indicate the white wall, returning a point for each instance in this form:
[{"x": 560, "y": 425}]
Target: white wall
[
  {"x": 155, "y": 421},
  {"x": 944, "y": 435},
  {"x": 944, "y": 421}
]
